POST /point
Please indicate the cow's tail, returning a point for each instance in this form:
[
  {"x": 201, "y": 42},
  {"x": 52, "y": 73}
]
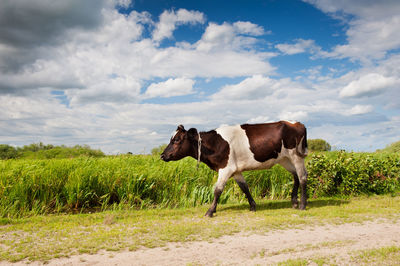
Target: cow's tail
[{"x": 301, "y": 148}]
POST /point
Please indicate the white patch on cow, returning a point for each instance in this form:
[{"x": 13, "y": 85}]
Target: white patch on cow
[{"x": 240, "y": 156}]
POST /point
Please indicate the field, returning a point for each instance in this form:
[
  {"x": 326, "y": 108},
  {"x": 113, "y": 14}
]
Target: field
[{"x": 65, "y": 207}]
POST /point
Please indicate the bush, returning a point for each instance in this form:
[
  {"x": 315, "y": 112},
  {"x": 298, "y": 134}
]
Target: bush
[
  {"x": 342, "y": 173},
  {"x": 318, "y": 145},
  {"x": 392, "y": 148},
  {"x": 7, "y": 152}
]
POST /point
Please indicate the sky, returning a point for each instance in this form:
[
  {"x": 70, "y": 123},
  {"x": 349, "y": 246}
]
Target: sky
[{"x": 121, "y": 75}]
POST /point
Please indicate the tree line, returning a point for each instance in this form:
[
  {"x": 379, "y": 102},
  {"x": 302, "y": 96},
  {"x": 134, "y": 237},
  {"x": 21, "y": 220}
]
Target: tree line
[{"x": 49, "y": 151}]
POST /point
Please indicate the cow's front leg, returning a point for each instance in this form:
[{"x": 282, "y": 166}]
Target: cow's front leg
[{"x": 223, "y": 176}]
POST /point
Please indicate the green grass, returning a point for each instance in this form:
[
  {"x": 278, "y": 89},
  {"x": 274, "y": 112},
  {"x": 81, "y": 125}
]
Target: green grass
[
  {"x": 32, "y": 187},
  {"x": 41, "y": 238},
  {"x": 379, "y": 256}
]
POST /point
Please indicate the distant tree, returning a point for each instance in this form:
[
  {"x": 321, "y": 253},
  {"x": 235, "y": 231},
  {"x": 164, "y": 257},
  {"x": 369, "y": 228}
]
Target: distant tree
[
  {"x": 158, "y": 150},
  {"x": 318, "y": 145},
  {"x": 7, "y": 152},
  {"x": 393, "y": 147}
]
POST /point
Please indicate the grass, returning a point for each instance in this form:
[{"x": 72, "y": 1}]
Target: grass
[
  {"x": 32, "y": 187},
  {"x": 42, "y": 238},
  {"x": 379, "y": 256}
]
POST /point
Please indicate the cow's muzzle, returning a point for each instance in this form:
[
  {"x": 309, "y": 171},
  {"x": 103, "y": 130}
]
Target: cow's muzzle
[{"x": 164, "y": 157}]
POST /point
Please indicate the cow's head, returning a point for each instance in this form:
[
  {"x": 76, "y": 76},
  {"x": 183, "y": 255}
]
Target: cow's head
[{"x": 183, "y": 143}]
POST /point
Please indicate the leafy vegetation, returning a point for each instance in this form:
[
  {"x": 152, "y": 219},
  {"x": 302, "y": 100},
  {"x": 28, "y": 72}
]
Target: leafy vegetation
[
  {"x": 392, "y": 148},
  {"x": 42, "y": 151},
  {"x": 318, "y": 145},
  {"x": 82, "y": 184},
  {"x": 158, "y": 150}
]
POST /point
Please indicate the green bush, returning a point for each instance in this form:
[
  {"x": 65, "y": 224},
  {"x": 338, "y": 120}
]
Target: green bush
[
  {"x": 7, "y": 152},
  {"x": 318, "y": 145},
  {"x": 353, "y": 173},
  {"x": 392, "y": 148}
]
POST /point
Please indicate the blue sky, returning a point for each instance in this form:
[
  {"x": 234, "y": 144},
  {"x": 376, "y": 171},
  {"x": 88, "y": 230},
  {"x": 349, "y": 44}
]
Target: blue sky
[{"x": 120, "y": 75}]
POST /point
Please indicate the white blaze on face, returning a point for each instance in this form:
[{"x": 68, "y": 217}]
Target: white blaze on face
[
  {"x": 291, "y": 122},
  {"x": 173, "y": 136}
]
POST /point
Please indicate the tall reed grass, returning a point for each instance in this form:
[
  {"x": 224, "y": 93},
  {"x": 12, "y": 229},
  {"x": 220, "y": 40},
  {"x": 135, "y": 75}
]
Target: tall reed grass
[{"x": 29, "y": 187}]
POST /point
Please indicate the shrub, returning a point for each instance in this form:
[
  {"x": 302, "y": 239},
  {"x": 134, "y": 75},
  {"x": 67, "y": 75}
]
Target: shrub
[
  {"x": 7, "y": 152},
  {"x": 318, "y": 145}
]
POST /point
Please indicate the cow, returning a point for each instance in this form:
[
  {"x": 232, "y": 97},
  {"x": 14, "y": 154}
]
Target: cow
[{"x": 230, "y": 150}]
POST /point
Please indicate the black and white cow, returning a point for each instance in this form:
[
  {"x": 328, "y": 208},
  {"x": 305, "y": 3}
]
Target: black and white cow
[{"x": 230, "y": 150}]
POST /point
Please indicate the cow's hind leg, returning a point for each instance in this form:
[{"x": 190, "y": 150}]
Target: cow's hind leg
[
  {"x": 302, "y": 174},
  {"x": 223, "y": 176},
  {"x": 287, "y": 164},
  {"x": 245, "y": 188}
]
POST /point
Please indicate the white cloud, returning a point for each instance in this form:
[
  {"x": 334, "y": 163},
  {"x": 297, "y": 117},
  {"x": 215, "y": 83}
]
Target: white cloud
[
  {"x": 259, "y": 119},
  {"x": 254, "y": 87},
  {"x": 99, "y": 65},
  {"x": 368, "y": 85},
  {"x": 171, "y": 87},
  {"x": 226, "y": 36},
  {"x": 246, "y": 27},
  {"x": 373, "y": 27},
  {"x": 293, "y": 116},
  {"x": 361, "y": 109},
  {"x": 300, "y": 46},
  {"x": 170, "y": 19}
]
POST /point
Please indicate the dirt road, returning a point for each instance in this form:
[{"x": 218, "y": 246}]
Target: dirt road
[{"x": 337, "y": 243}]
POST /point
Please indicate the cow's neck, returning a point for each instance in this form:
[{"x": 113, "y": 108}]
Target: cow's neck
[{"x": 206, "y": 150}]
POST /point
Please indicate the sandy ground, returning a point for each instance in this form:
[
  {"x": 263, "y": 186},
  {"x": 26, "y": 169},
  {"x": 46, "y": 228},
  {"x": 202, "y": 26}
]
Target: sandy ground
[{"x": 338, "y": 242}]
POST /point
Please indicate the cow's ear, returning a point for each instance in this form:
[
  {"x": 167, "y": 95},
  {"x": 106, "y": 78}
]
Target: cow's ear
[
  {"x": 180, "y": 128},
  {"x": 192, "y": 133}
]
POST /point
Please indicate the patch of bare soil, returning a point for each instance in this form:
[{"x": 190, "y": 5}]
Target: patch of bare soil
[{"x": 337, "y": 242}]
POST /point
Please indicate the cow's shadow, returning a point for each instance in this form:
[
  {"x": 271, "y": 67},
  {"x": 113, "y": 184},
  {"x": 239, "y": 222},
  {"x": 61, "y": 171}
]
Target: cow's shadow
[{"x": 286, "y": 204}]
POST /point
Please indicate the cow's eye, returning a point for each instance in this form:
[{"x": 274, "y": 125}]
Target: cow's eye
[{"x": 176, "y": 140}]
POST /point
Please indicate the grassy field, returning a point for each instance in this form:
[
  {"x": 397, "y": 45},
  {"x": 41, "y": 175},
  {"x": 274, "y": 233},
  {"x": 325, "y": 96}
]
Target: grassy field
[
  {"x": 31, "y": 187},
  {"x": 42, "y": 238}
]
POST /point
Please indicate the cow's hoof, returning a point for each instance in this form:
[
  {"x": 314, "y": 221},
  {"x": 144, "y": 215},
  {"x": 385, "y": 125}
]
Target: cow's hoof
[
  {"x": 253, "y": 207},
  {"x": 302, "y": 207},
  {"x": 295, "y": 205},
  {"x": 209, "y": 214}
]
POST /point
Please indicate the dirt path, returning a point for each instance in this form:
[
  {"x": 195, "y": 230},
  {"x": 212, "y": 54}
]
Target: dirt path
[{"x": 338, "y": 242}]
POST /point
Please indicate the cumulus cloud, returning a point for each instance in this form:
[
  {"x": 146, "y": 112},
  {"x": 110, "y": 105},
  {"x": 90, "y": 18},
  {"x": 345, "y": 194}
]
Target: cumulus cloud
[
  {"x": 171, "y": 87},
  {"x": 254, "y": 87},
  {"x": 170, "y": 19},
  {"x": 293, "y": 116},
  {"x": 368, "y": 85},
  {"x": 373, "y": 27},
  {"x": 82, "y": 79},
  {"x": 246, "y": 27},
  {"x": 300, "y": 46},
  {"x": 361, "y": 109},
  {"x": 224, "y": 36},
  {"x": 28, "y": 29}
]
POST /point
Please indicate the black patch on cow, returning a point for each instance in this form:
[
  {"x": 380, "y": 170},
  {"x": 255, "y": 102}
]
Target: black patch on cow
[
  {"x": 214, "y": 150},
  {"x": 266, "y": 139}
]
